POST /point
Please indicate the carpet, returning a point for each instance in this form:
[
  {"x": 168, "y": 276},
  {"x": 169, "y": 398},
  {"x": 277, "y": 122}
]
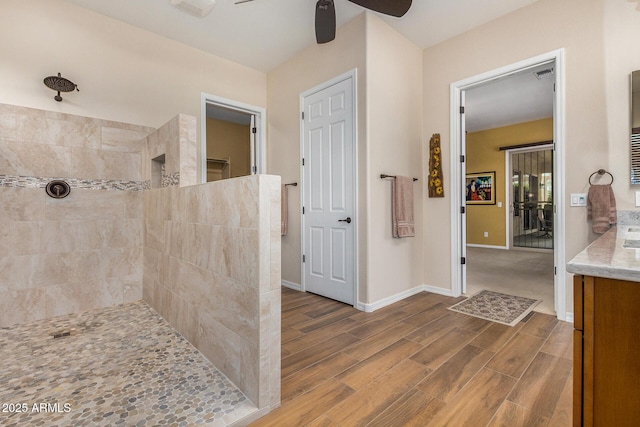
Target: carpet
[{"x": 496, "y": 307}]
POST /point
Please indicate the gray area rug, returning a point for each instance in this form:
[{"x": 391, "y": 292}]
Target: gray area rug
[{"x": 496, "y": 307}]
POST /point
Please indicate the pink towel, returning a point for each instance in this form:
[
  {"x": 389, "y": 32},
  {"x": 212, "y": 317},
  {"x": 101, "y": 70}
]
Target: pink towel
[
  {"x": 402, "y": 207},
  {"x": 283, "y": 210},
  {"x": 601, "y": 208}
]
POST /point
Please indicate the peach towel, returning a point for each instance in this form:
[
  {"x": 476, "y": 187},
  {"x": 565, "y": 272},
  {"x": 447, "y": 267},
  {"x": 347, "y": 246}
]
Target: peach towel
[
  {"x": 601, "y": 208},
  {"x": 402, "y": 207},
  {"x": 283, "y": 210}
]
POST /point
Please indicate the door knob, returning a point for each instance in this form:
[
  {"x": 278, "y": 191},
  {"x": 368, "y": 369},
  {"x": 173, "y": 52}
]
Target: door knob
[{"x": 347, "y": 220}]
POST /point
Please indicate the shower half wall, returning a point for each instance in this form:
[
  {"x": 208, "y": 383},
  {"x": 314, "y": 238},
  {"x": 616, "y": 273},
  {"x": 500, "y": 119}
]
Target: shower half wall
[{"x": 206, "y": 257}]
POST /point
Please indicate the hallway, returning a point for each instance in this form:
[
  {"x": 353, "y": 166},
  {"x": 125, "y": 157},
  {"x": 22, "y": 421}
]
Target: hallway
[{"x": 515, "y": 272}]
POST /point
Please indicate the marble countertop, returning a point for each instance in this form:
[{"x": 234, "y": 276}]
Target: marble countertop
[{"x": 606, "y": 256}]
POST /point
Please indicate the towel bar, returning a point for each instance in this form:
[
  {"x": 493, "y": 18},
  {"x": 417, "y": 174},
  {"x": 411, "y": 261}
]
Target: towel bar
[
  {"x": 384, "y": 175},
  {"x": 293, "y": 184}
]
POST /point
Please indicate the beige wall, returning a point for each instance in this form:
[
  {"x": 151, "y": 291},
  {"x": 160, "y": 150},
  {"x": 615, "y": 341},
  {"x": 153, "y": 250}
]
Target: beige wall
[
  {"x": 389, "y": 141},
  {"x": 308, "y": 69},
  {"x": 394, "y": 146},
  {"x": 546, "y": 25},
  {"x": 483, "y": 154},
  {"x": 621, "y": 57},
  {"x": 123, "y": 73}
]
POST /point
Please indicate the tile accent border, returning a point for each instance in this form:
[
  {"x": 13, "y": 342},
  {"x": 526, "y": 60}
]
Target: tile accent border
[
  {"x": 91, "y": 184},
  {"x": 171, "y": 180}
]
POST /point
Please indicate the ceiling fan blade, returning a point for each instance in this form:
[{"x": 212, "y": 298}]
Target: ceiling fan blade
[
  {"x": 325, "y": 21},
  {"x": 388, "y": 7}
]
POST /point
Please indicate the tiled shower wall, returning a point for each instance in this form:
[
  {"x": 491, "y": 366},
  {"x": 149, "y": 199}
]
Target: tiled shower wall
[
  {"x": 212, "y": 269},
  {"x": 60, "y": 256},
  {"x": 208, "y": 255}
]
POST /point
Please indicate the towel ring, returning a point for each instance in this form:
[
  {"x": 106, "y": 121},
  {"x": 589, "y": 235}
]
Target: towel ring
[{"x": 601, "y": 172}]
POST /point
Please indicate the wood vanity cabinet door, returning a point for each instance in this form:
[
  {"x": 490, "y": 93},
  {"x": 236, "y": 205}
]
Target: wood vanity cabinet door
[
  {"x": 577, "y": 350},
  {"x": 611, "y": 353}
]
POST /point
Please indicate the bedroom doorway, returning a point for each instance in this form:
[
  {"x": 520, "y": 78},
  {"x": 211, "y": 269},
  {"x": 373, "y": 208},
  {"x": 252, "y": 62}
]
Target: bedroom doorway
[{"x": 465, "y": 252}]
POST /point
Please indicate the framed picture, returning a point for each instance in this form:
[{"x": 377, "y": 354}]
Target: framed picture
[{"x": 481, "y": 188}]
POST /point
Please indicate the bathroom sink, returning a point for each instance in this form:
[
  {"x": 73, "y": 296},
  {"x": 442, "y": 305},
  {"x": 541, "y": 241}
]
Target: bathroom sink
[{"x": 633, "y": 244}]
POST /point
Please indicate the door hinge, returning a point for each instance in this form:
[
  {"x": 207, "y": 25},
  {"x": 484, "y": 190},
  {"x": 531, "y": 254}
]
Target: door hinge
[
  {"x": 462, "y": 209},
  {"x": 461, "y": 109},
  {"x": 304, "y": 258},
  {"x": 303, "y": 161},
  {"x": 302, "y": 113},
  {"x": 463, "y": 260},
  {"x": 254, "y": 169},
  {"x": 254, "y": 130},
  {"x": 303, "y": 210},
  {"x": 555, "y": 270},
  {"x": 462, "y": 158}
]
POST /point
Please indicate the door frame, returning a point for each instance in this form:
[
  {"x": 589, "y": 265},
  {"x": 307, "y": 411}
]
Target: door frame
[
  {"x": 349, "y": 75},
  {"x": 458, "y": 239},
  {"x": 260, "y": 124}
]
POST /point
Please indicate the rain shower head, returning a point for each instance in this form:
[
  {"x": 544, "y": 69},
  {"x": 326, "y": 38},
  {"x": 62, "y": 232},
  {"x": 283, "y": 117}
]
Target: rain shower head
[{"x": 60, "y": 84}]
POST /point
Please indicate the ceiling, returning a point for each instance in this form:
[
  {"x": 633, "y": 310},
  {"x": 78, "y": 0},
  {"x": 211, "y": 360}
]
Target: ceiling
[
  {"x": 515, "y": 98},
  {"x": 262, "y": 34}
]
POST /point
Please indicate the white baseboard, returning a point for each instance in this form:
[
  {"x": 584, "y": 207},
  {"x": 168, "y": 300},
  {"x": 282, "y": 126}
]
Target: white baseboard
[
  {"x": 437, "y": 290},
  {"x": 370, "y": 307},
  {"x": 291, "y": 285},
  {"x": 569, "y": 317},
  {"x": 473, "y": 245}
]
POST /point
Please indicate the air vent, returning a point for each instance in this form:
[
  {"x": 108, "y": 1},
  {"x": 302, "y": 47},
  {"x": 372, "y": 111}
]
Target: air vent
[
  {"x": 199, "y": 8},
  {"x": 544, "y": 74}
]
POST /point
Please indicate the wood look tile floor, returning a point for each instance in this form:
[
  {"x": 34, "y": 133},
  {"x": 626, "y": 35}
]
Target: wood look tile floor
[{"x": 415, "y": 363}]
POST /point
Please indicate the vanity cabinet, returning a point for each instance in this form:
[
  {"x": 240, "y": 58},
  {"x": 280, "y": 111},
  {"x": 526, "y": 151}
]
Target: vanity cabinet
[{"x": 606, "y": 365}]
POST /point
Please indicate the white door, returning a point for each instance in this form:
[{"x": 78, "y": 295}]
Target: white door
[{"x": 328, "y": 175}]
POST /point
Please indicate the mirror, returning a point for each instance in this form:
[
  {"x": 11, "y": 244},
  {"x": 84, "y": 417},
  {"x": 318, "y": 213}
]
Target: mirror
[{"x": 635, "y": 127}]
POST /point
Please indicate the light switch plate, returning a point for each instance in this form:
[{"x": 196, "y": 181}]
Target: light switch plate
[
  {"x": 637, "y": 198},
  {"x": 579, "y": 199}
]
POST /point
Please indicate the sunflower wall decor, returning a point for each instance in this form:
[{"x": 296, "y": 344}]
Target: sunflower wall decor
[{"x": 436, "y": 184}]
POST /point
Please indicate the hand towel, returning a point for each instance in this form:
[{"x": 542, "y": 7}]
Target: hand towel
[
  {"x": 601, "y": 208},
  {"x": 283, "y": 210},
  {"x": 402, "y": 207}
]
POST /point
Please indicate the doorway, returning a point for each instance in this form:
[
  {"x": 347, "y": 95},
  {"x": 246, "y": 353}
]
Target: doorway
[
  {"x": 328, "y": 170},
  {"x": 232, "y": 139},
  {"x": 458, "y": 167}
]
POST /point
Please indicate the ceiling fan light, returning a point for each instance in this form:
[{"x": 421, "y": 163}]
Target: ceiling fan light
[{"x": 199, "y": 8}]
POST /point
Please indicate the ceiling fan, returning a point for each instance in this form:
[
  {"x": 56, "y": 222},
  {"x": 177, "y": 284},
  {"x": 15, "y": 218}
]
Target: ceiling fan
[{"x": 326, "y": 14}]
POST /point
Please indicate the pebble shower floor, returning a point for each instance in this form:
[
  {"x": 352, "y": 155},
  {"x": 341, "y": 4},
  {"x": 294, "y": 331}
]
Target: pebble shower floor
[{"x": 119, "y": 366}]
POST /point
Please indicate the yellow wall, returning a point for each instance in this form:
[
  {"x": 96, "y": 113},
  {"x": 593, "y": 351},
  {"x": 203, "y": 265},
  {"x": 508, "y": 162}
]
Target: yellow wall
[
  {"x": 230, "y": 140},
  {"x": 483, "y": 155}
]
